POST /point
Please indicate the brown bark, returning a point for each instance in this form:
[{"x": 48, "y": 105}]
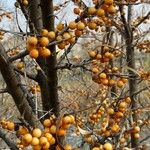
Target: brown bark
[
  {"x": 14, "y": 88},
  {"x": 48, "y": 22},
  {"x": 35, "y": 15},
  {"x": 10, "y": 143},
  {"x": 41, "y": 15}
]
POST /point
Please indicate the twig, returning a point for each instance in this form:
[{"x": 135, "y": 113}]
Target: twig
[{"x": 143, "y": 89}]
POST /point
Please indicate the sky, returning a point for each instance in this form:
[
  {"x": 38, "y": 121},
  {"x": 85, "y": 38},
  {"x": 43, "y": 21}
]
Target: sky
[{"x": 66, "y": 14}]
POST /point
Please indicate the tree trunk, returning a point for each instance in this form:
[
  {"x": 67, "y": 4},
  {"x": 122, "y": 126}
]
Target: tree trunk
[
  {"x": 132, "y": 76},
  {"x": 128, "y": 35},
  {"x": 51, "y": 72},
  {"x": 41, "y": 15}
]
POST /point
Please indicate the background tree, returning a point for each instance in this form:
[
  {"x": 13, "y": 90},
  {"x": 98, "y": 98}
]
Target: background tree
[{"x": 101, "y": 98}]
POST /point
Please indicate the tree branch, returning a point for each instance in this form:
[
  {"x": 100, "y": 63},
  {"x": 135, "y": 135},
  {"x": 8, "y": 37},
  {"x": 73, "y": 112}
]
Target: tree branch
[
  {"x": 11, "y": 144},
  {"x": 18, "y": 56},
  {"x": 13, "y": 85},
  {"x": 3, "y": 90},
  {"x": 142, "y": 20},
  {"x": 29, "y": 75}
]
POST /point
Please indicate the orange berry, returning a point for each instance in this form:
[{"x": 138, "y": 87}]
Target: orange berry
[
  {"x": 25, "y": 2},
  {"x": 124, "y": 80},
  {"x": 103, "y": 75},
  {"x": 108, "y": 146},
  {"x": 91, "y": 10},
  {"x": 44, "y": 41},
  {"x": 46, "y": 130},
  {"x": 76, "y": 11},
  {"x": 67, "y": 147},
  {"x": 65, "y": 126},
  {"x": 119, "y": 114},
  {"x": 47, "y": 123},
  {"x": 36, "y": 147},
  {"x": 136, "y": 135},
  {"x": 44, "y": 32},
  {"x": 32, "y": 41},
  {"x": 45, "y": 52},
  {"x": 100, "y": 12},
  {"x": 60, "y": 26},
  {"x": 48, "y": 136},
  {"x": 115, "y": 128},
  {"x": 34, "y": 53},
  {"x": 52, "y": 141},
  {"x": 23, "y": 130},
  {"x": 61, "y": 132},
  {"x": 10, "y": 126},
  {"x": 72, "y": 119},
  {"x": 36, "y": 132},
  {"x": 123, "y": 104},
  {"x": 51, "y": 35},
  {"x": 98, "y": 56},
  {"x": 107, "y": 133},
  {"x": 128, "y": 100},
  {"x": 46, "y": 146},
  {"x": 53, "y": 129},
  {"x": 30, "y": 47},
  {"x": 72, "y": 25},
  {"x": 137, "y": 129},
  {"x": 61, "y": 45},
  {"x": 104, "y": 81},
  {"x": 72, "y": 40},
  {"x": 107, "y": 54},
  {"x": 20, "y": 65},
  {"x": 92, "y": 25},
  {"x": 66, "y": 36},
  {"x": 110, "y": 111},
  {"x": 92, "y": 53},
  {"x": 120, "y": 84},
  {"x": 111, "y": 9},
  {"x": 122, "y": 140},
  {"x": 59, "y": 38},
  {"x": 78, "y": 33},
  {"x": 108, "y": 2},
  {"x": 35, "y": 141},
  {"x": 95, "y": 70},
  {"x": 66, "y": 120},
  {"x": 27, "y": 138},
  {"x": 111, "y": 82},
  {"x": 43, "y": 140},
  {"x": 80, "y": 26}
]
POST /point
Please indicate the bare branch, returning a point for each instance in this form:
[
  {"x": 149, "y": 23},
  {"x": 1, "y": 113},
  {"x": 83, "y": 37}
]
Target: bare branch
[
  {"x": 130, "y": 3},
  {"x": 11, "y": 144},
  {"x": 143, "y": 89},
  {"x": 70, "y": 66},
  {"x": 66, "y": 52},
  {"x": 141, "y": 21},
  {"x": 20, "y": 55},
  {"x": 13, "y": 84},
  {"x": 29, "y": 75}
]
